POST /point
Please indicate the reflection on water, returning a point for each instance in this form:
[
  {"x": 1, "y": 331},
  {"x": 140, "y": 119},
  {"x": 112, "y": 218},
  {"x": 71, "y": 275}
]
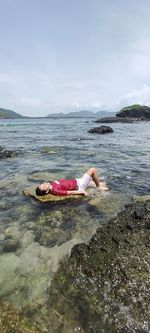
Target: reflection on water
[{"x": 33, "y": 237}]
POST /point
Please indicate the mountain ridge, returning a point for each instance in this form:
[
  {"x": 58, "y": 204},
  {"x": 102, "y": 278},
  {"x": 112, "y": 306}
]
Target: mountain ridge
[
  {"x": 80, "y": 114},
  {"x": 9, "y": 114}
]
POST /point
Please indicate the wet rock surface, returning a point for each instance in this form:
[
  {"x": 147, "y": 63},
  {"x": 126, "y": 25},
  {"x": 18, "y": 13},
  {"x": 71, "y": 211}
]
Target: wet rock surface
[
  {"x": 119, "y": 119},
  {"x": 55, "y": 228},
  {"x": 114, "y": 120},
  {"x": 10, "y": 240},
  {"x": 104, "y": 286},
  {"x": 9, "y": 245},
  {"x": 101, "y": 130},
  {"x": 4, "y": 153},
  {"x": 13, "y": 321}
]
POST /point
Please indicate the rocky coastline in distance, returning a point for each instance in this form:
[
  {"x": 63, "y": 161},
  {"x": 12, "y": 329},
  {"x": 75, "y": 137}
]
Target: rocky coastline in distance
[
  {"x": 9, "y": 114},
  {"x": 129, "y": 114}
]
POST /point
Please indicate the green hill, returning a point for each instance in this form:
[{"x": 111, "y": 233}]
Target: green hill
[
  {"x": 9, "y": 114},
  {"x": 135, "y": 111}
]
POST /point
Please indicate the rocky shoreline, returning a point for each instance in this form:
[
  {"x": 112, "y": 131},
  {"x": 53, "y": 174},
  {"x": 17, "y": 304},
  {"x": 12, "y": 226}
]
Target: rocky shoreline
[
  {"x": 102, "y": 287},
  {"x": 130, "y": 114},
  {"x": 126, "y": 120}
]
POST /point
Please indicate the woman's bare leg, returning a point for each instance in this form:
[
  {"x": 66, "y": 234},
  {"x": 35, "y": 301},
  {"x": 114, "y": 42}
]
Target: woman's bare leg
[
  {"x": 100, "y": 185},
  {"x": 93, "y": 173}
]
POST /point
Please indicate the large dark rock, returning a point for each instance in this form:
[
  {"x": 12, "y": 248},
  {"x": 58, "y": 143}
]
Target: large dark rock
[
  {"x": 101, "y": 130},
  {"x": 135, "y": 111},
  {"x": 129, "y": 114},
  {"x": 105, "y": 285}
]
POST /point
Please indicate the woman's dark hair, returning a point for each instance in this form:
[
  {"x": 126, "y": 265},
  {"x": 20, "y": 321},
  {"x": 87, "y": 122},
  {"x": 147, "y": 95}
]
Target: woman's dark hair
[{"x": 39, "y": 191}]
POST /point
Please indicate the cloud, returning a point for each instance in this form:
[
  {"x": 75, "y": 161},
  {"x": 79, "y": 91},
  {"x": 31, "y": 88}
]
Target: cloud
[
  {"x": 136, "y": 96},
  {"x": 33, "y": 102},
  {"x": 7, "y": 78},
  {"x": 140, "y": 58}
]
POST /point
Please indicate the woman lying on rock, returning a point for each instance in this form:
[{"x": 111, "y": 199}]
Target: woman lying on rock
[{"x": 71, "y": 186}]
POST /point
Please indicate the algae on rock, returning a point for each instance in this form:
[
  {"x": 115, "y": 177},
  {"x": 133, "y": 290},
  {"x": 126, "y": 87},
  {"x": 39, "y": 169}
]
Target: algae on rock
[{"x": 105, "y": 284}]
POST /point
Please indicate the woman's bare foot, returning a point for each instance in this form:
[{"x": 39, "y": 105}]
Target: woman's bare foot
[
  {"x": 91, "y": 184},
  {"x": 102, "y": 187}
]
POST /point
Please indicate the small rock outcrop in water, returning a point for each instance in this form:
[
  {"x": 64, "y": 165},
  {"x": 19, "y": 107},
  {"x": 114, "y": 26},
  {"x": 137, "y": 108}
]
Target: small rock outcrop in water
[
  {"x": 114, "y": 120},
  {"x": 101, "y": 130},
  {"x": 105, "y": 286},
  {"x": 135, "y": 111},
  {"x": 4, "y": 153},
  {"x": 129, "y": 114}
]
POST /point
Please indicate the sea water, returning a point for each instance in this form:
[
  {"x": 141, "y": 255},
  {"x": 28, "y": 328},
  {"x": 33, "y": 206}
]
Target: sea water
[{"x": 34, "y": 238}]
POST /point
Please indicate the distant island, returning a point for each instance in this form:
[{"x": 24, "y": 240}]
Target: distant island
[
  {"x": 80, "y": 114},
  {"x": 129, "y": 114},
  {"x": 9, "y": 114},
  {"x": 135, "y": 111}
]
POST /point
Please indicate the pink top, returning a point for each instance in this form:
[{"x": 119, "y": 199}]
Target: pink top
[{"x": 62, "y": 186}]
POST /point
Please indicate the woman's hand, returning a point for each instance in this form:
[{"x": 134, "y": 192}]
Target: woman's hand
[
  {"x": 85, "y": 193},
  {"x": 78, "y": 192}
]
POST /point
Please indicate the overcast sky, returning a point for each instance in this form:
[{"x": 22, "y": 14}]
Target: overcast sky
[{"x": 62, "y": 55}]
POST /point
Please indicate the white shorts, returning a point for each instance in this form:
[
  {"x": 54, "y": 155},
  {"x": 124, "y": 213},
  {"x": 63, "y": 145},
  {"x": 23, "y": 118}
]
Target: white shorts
[{"x": 83, "y": 182}]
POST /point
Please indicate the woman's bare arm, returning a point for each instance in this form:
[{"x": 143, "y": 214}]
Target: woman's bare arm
[{"x": 77, "y": 192}]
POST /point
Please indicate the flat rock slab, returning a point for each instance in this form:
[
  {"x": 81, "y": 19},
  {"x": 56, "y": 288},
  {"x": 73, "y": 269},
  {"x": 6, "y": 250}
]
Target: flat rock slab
[
  {"x": 114, "y": 120},
  {"x": 30, "y": 192}
]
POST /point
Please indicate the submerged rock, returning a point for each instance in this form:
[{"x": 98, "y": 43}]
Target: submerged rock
[
  {"x": 10, "y": 245},
  {"x": 101, "y": 130},
  {"x": 4, "y": 153},
  {"x": 13, "y": 232},
  {"x": 105, "y": 286},
  {"x": 51, "y": 150},
  {"x": 39, "y": 176},
  {"x": 143, "y": 198},
  {"x": 55, "y": 227},
  {"x": 12, "y": 320},
  {"x": 11, "y": 240}
]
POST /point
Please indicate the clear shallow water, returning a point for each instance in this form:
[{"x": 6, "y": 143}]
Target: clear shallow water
[{"x": 33, "y": 237}]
